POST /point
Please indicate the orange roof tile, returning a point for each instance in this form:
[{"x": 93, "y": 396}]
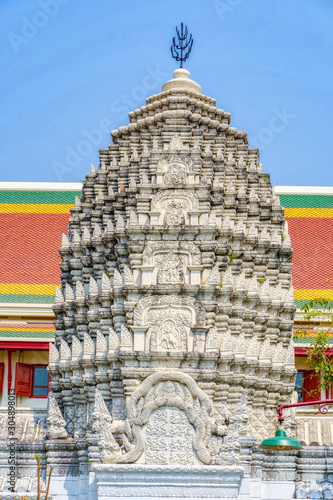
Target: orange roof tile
[{"x": 32, "y": 223}]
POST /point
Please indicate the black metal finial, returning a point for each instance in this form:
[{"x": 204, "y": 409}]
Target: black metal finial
[{"x": 181, "y": 50}]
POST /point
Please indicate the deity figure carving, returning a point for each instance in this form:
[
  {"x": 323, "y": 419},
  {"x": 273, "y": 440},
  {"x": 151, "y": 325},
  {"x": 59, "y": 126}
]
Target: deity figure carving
[
  {"x": 173, "y": 205},
  {"x": 176, "y": 174},
  {"x": 169, "y": 329},
  {"x": 168, "y": 336},
  {"x": 171, "y": 267},
  {"x": 175, "y": 213}
]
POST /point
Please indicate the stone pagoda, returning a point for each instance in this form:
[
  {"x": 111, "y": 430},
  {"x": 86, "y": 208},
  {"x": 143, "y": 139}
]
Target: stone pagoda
[{"x": 174, "y": 322}]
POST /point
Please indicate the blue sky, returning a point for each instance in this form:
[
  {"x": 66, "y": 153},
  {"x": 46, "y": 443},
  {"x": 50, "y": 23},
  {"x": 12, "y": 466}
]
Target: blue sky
[{"x": 71, "y": 70}]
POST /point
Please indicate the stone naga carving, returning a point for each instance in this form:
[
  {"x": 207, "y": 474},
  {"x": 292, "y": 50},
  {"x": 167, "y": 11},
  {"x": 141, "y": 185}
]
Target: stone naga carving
[
  {"x": 111, "y": 431},
  {"x": 214, "y": 276},
  {"x": 76, "y": 347},
  {"x": 101, "y": 345},
  {"x": 55, "y": 422},
  {"x": 65, "y": 352},
  {"x": 161, "y": 390}
]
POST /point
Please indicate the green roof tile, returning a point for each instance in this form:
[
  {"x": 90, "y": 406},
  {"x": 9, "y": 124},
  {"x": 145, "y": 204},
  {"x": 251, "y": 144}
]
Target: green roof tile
[
  {"x": 26, "y": 299},
  {"x": 39, "y": 197},
  {"x": 38, "y": 335},
  {"x": 306, "y": 201}
]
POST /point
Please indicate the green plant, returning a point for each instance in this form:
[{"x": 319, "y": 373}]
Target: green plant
[
  {"x": 232, "y": 256},
  {"x": 319, "y": 314},
  {"x": 265, "y": 179},
  {"x": 261, "y": 280}
]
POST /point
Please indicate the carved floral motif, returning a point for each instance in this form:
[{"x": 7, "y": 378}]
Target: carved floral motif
[
  {"x": 169, "y": 437},
  {"x": 174, "y": 205},
  {"x": 152, "y": 250},
  {"x": 177, "y": 302}
]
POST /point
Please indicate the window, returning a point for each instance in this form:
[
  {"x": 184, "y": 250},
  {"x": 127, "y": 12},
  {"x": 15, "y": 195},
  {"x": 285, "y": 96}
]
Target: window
[
  {"x": 31, "y": 380},
  {"x": 299, "y": 386},
  {"x": 307, "y": 385},
  {"x": 40, "y": 382}
]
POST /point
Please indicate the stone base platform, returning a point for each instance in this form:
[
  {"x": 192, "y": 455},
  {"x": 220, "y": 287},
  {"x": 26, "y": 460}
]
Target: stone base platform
[{"x": 169, "y": 481}]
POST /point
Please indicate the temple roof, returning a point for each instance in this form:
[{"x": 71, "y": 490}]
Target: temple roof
[
  {"x": 29, "y": 330},
  {"x": 310, "y": 220},
  {"x": 33, "y": 220}
]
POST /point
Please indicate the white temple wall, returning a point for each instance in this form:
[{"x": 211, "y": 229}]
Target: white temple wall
[{"x": 194, "y": 484}]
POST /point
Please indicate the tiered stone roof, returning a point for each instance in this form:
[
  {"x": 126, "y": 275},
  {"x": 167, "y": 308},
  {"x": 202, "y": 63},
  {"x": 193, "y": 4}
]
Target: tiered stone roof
[{"x": 176, "y": 290}]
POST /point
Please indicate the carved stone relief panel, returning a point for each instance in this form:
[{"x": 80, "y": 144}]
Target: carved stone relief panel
[
  {"x": 176, "y": 174},
  {"x": 169, "y": 438},
  {"x": 171, "y": 262},
  {"x": 172, "y": 207},
  {"x": 177, "y": 301},
  {"x": 176, "y": 211},
  {"x": 168, "y": 320},
  {"x": 169, "y": 420},
  {"x": 153, "y": 248},
  {"x": 177, "y": 169},
  {"x": 171, "y": 266},
  {"x": 169, "y": 328}
]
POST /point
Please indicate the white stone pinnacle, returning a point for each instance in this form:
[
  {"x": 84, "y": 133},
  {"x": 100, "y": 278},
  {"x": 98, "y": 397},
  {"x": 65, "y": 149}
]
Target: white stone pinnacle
[{"x": 181, "y": 80}]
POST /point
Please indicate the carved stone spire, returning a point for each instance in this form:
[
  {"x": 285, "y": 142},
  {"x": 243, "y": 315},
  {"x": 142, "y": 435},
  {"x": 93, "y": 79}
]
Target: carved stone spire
[{"x": 176, "y": 292}]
